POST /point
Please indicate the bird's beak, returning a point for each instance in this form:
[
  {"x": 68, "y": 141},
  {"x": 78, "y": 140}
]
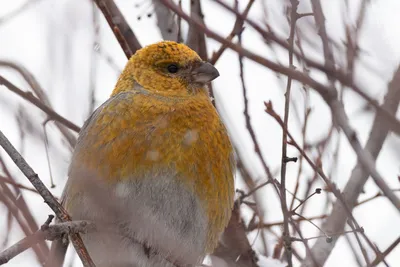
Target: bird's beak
[{"x": 204, "y": 72}]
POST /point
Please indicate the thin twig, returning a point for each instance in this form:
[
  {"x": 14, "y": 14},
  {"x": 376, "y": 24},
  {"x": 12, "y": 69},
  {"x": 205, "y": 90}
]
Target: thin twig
[
  {"x": 41, "y": 95},
  {"x": 340, "y": 75},
  {"x": 237, "y": 28},
  {"x": 93, "y": 59},
  {"x": 332, "y": 188},
  {"x": 381, "y": 257},
  {"x": 286, "y": 231},
  {"x": 35, "y": 101},
  {"x": 46, "y": 232},
  {"x": 47, "y": 196},
  {"x": 13, "y": 183},
  {"x": 268, "y": 225}
]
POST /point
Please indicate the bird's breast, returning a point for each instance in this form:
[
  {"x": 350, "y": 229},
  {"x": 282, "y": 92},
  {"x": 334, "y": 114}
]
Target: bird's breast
[{"x": 156, "y": 143}]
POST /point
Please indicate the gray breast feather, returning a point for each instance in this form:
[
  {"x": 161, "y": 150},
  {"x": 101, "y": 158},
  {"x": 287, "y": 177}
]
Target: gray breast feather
[{"x": 156, "y": 210}]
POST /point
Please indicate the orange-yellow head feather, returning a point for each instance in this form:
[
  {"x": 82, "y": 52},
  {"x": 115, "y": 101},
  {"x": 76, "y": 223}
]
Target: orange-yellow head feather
[{"x": 167, "y": 68}]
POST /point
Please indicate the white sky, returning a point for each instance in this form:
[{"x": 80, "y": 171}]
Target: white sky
[{"x": 54, "y": 40}]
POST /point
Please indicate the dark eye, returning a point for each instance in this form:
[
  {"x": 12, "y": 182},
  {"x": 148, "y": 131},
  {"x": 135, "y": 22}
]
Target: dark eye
[{"x": 172, "y": 68}]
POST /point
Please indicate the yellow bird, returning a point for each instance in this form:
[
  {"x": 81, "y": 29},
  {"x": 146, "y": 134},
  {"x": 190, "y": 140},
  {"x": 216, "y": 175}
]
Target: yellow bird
[{"x": 153, "y": 166}]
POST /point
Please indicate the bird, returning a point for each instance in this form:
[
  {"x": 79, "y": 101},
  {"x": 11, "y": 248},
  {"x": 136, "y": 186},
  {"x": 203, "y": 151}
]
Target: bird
[{"x": 154, "y": 166}]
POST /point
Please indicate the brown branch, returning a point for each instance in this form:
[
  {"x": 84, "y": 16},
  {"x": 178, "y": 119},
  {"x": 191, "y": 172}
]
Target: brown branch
[
  {"x": 379, "y": 194},
  {"x": 17, "y": 206},
  {"x": 252, "y": 227},
  {"x": 356, "y": 227},
  {"x": 269, "y": 36},
  {"x": 237, "y": 29},
  {"x": 249, "y": 127},
  {"x": 41, "y": 95},
  {"x": 47, "y": 196},
  {"x": 38, "y": 103},
  {"x": 93, "y": 59},
  {"x": 15, "y": 184},
  {"x": 326, "y": 92},
  {"x": 234, "y": 247},
  {"x": 337, "y": 219},
  {"x": 196, "y": 39},
  {"x": 124, "y": 34},
  {"x": 294, "y": 74},
  {"x": 286, "y": 231},
  {"x": 320, "y": 22},
  {"x": 382, "y": 256},
  {"x": 25, "y": 223},
  {"x": 46, "y": 232}
]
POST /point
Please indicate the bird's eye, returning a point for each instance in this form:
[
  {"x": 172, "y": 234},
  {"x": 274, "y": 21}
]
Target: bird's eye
[{"x": 172, "y": 68}]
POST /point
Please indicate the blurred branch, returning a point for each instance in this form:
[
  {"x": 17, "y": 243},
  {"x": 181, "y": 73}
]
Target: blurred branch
[
  {"x": 379, "y": 194},
  {"x": 268, "y": 225},
  {"x": 338, "y": 74},
  {"x": 18, "y": 11},
  {"x": 93, "y": 59},
  {"x": 47, "y": 196},
  {"x": 165, "y": 21},
  {"x": 234, "y": 246},
  {"x": 124, "y": 34},
  {"x": 294, "y": 74},
  {"x": 352, "y": 37},
  {"x": 13, "y": 183},
  {"x": 336, "y": 221},
  {"x": 327, "y": 93},
  {"x": 364, "y": 156},
  {"x": 320, "y": 22},
  {"x": 356, "y": 227},
  {"x": 46, "y": 232},
  {"x": 237, "y": 28},
  {"x": 35, "y": 101},
  {"x": 196, "y": 39},
  {"x": 354, "y": 251},
  {"x": 40, "y": 93},
  {"x": 24, "y": 220}
]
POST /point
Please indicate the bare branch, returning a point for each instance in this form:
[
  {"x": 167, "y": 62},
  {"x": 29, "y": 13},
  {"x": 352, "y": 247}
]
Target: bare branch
[
  {"x": 196, "y": 39},
  {"x": 21, "y": 186},
  {"x": 234, "y": 247},
  {"x": 124, "y": 34},
  {"x": 40, "y": 93},
  {"x": 336, "y": 221},
  {"x": 32, "y": 99},
  {"x": 286, "y": 230},
  {"x": 165, "y": 21},
  {"x": 380, "y": 258},
  {"x": 47, "y": 196},
  {"x": 46, "y": 232},
  {"x": 237, "y": 28}
]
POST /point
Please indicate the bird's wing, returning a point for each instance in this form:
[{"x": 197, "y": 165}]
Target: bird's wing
[{"x": 59, "y": 246}]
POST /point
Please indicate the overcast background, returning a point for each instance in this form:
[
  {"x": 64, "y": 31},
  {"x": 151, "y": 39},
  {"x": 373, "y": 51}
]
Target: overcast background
[{"x": 55, "y": 41}]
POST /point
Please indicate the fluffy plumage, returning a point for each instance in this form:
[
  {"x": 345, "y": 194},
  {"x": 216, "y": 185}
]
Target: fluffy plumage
[{"x": 153, "y": 166}]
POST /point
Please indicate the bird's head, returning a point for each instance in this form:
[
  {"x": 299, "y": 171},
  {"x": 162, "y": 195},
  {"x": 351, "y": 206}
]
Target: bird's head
[{"x": 167, "y": 68}]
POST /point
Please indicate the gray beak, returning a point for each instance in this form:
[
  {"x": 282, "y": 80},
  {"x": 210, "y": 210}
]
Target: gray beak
[{"x": 204, "y": 72}]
